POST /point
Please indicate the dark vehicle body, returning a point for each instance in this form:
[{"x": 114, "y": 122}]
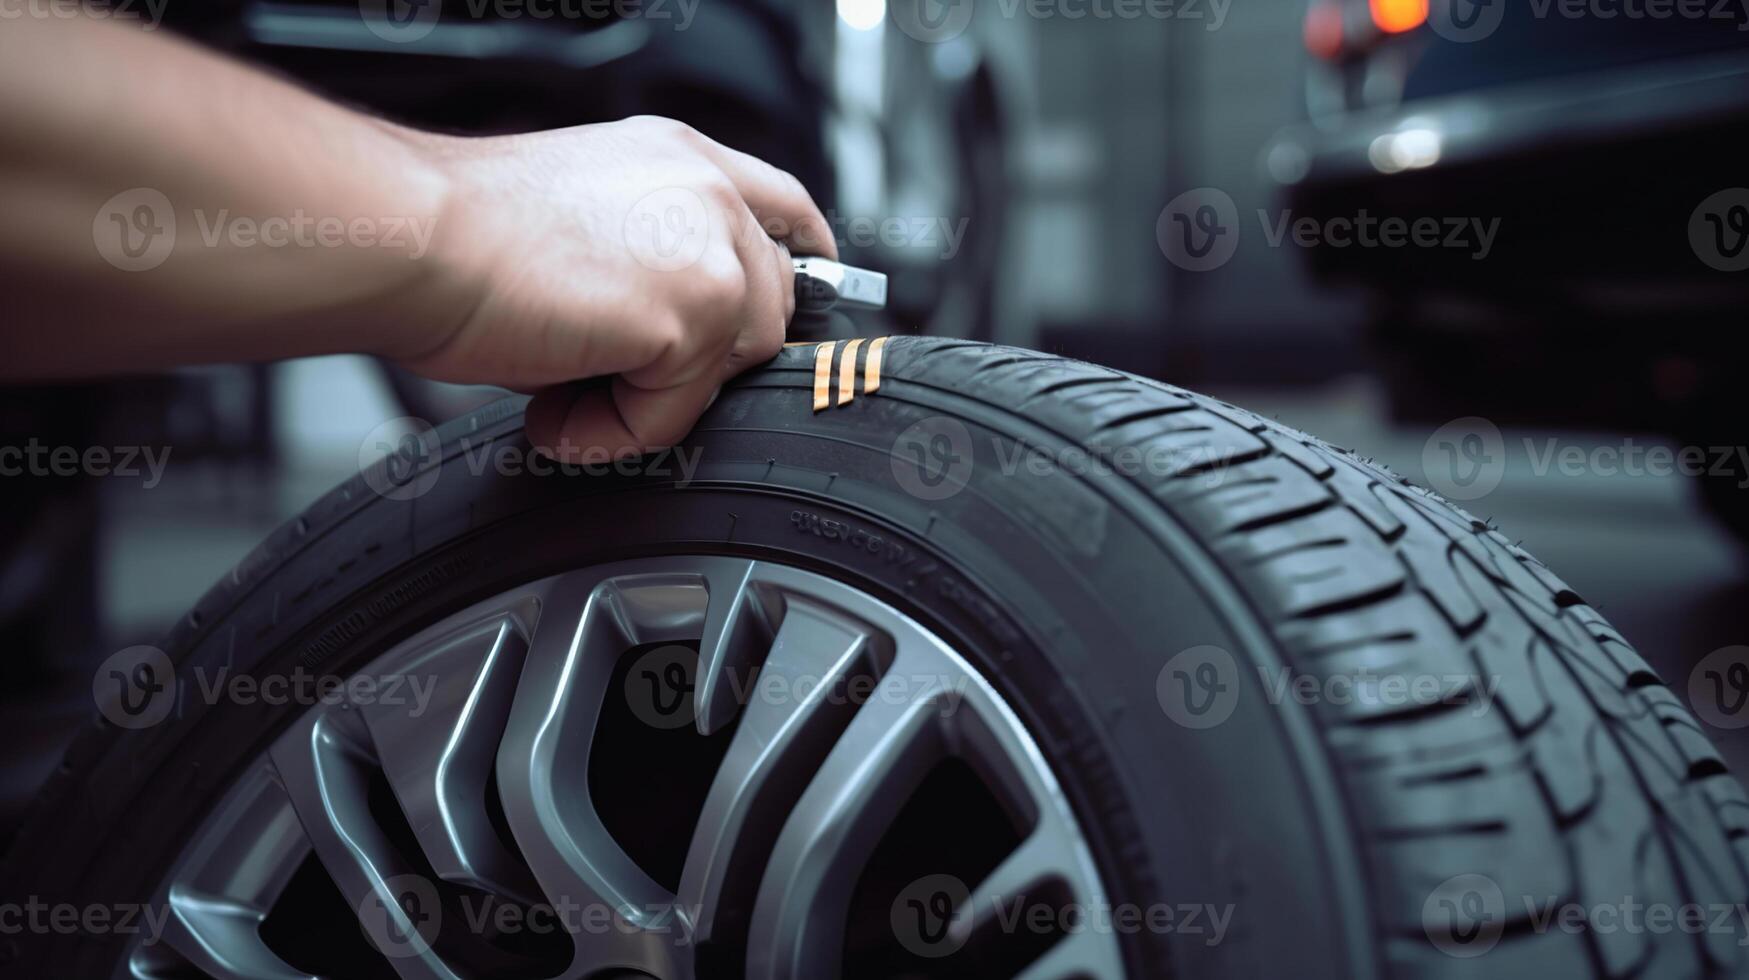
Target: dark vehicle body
[{"x": 1605, "y": 138}]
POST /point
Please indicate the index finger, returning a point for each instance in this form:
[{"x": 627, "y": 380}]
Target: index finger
[{"x": 773, "y": 193}]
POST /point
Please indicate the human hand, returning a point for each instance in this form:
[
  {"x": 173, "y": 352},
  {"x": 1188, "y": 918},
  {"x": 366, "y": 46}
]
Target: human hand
[{"x": 638, "y": 249}]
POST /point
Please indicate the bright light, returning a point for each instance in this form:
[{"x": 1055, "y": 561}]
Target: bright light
[
  {"x": 1410, "y": 149},
  {"x": 864, "y": 15},
  {"x": 1396, "y": 16}
]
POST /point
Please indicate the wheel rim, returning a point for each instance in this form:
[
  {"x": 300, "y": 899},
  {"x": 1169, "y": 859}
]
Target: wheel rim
[{"x": 832, "y": 708}]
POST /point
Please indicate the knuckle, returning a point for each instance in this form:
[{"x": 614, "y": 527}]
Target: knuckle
[
  {"x": 721, "y": 284},
  {"x": 662, "y": 124},
  {"x": 669, "y": 337},
  {"x": 720, "y": 192},
  {"x": 673, "y": 129}
]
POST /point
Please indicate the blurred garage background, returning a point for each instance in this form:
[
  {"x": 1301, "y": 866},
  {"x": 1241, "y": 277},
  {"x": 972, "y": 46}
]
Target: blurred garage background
[{"x": 1119, "y": 180}]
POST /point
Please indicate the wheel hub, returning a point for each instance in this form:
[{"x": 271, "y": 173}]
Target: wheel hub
[{"x": 457, "y": 804}]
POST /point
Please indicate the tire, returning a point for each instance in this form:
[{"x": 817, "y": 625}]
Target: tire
[{"x": 1528, "y": 760}]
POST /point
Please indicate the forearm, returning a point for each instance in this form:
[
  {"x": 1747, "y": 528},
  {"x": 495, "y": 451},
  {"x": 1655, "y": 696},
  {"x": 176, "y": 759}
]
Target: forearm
[{"x": 298, "y": 225}]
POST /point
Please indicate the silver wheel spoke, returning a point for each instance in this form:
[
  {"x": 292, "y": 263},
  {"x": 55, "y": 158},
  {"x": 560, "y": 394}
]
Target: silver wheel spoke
[
  {"x": 324, "y": 764},
  {"x": 735, "y": 633},
  {"x": 1018, "y": 875},
  {"x": 1078, "y": 956},
  {"x": 221, "y": 937},
  {"x": 810, "y": 662},
  {"x": 1047, "y": 854},
  {"x": 889, "y": 747},
  {"x": 232, "y": 877},
  {"x": 438, "y": 756},
  {"x": 841, "y": 707},
  {"x": 544, "y": 757}
]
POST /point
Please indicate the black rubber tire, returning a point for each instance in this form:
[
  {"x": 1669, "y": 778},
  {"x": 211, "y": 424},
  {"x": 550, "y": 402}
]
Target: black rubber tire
[{"x": 1332, "y": 829}]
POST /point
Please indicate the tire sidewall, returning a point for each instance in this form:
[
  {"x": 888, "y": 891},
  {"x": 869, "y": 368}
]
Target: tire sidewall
[{"x": 1041, "y": 580}]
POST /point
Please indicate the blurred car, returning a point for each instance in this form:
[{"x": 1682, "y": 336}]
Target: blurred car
[{"x": 1601, "y": 135}]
